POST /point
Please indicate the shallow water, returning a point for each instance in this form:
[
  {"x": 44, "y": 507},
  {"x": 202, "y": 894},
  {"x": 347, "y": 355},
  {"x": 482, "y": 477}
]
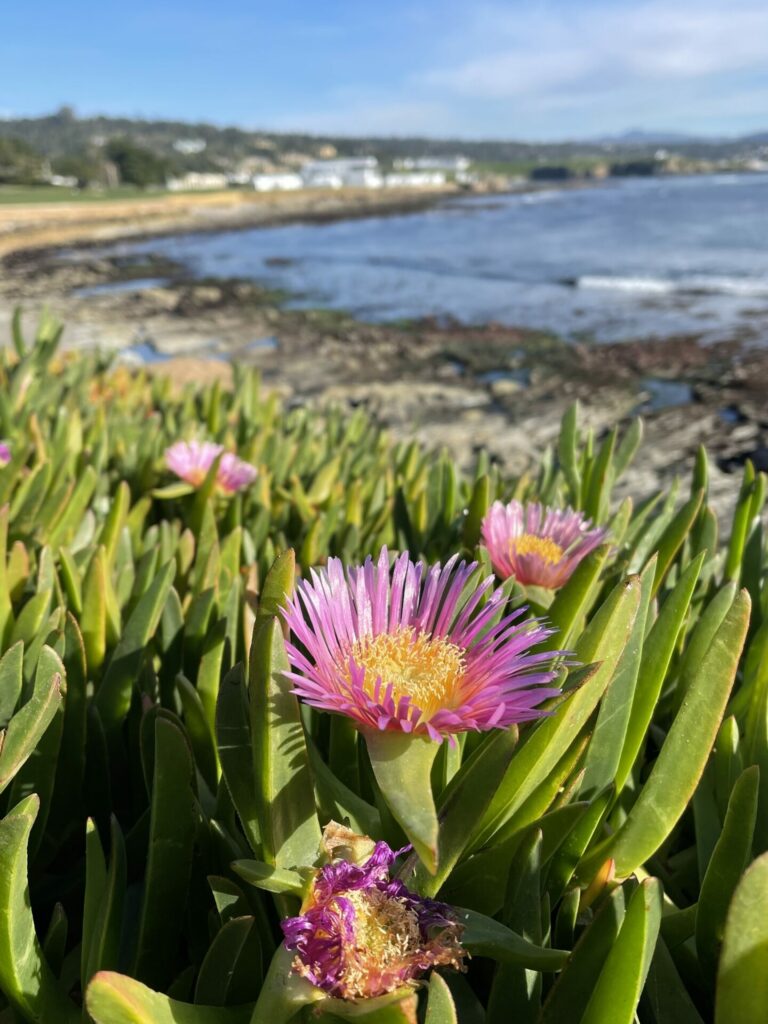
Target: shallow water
[{"x": 630, "y": 259}]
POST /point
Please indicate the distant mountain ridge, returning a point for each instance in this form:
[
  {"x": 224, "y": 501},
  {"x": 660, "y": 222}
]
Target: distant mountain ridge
[{"x": 63, "y": 133}]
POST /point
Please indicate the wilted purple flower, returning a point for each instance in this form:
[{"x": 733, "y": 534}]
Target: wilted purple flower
[
  {"x": 5, "y": 453},
  {"x": 362, "y": 934},
  {"x": 420, "y": 652},
  {"x": 191, "y": 460},
  {"x": 539, "y": 546}
]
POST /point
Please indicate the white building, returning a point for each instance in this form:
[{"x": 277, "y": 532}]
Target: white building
[
  {"x": 449, "y": 164},
  {"x": 197, "y": 181},
  {"x": 189, "y": 146},
  {"x": 63, "y": 180},
  {"x": 415, "y": 179},
  {"x": 353, "y": 172},
  {"x": 285, "y": 182}
]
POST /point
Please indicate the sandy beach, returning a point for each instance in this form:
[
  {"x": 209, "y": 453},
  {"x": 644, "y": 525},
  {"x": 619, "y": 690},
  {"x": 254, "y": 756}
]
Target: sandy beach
[{"x": 25, "y": 226}]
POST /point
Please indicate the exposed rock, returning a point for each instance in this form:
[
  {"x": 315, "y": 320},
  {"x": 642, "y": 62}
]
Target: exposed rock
[{"x": 463, "y": 388}]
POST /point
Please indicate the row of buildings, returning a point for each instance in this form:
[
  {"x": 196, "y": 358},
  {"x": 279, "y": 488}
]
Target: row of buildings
[{"x": 351, "y": 172}]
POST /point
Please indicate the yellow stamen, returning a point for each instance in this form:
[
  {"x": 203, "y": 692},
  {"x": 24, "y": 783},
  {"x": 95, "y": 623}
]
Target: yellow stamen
[
  {"x": 386, "y": 935},
  {"x": 530, "y": 544},
  {"x": 427, "y": 669}
]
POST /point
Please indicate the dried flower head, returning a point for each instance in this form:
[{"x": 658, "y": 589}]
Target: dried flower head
[{"x": 362, "y": 934}]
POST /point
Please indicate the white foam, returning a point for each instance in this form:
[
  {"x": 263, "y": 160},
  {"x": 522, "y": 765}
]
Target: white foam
[
  {"x": 695, "y": 285},
  {"x": 626, "y": 284}
]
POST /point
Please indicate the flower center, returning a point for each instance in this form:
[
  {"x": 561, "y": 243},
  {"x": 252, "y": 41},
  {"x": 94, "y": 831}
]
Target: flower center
[
  {"x": 386, "y": 935},
  {"x": 196, "y": 475},
  {"x": 530, "y": 544},
  {"x": 427, "y": 669}
]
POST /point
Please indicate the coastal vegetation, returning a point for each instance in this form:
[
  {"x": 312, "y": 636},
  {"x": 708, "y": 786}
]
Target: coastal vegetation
[
  {"x": 300, "y": 722},
  {"x": 105, "y": 151}
]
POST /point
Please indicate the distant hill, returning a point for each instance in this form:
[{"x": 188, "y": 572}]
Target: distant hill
[
  {"x": 204, "y": 146},
  {"x": 640, "y": 137}
]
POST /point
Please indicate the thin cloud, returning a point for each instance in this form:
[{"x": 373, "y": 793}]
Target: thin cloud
[{"x": 538, "y": 53}]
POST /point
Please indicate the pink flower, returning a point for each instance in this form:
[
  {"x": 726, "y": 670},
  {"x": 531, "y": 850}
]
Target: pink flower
[
  {"x": 191, "y": 461},
  {"x": 423, "y": 651},
  {"x": 5, "y": 453},
  {"x": 538, "y": 546}
]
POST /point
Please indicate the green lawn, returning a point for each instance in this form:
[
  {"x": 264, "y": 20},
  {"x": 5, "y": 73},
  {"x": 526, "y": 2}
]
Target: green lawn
[{"x": 55, "y": 194}]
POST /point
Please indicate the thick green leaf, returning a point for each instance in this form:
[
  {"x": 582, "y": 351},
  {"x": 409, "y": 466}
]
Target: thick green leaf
[
  {"x": 617, "y": 992},
  {"x": 729, "y": 859},
  {"x": 277, "y": 586},
  {"x": 104, "y": 899},
  {"x": 574, "y": 986},
  {"x": 115, "y": 999},
  {"x": 284, "y": 993},
  {"x": 740, "y": 526},
  {"x": 440, "y": 1005},
  {"x": 609, "y": 734},
  {"x": 515, "y": 989},
  {"x": 169, "y": 862},
  {"x": 574, "y": 601},
  {"x": 68, "y": 523},
  {"x": 665, "y": 998},
  {"x": 483, "y": 936},
  {"x": 686, "y": 749},
  {"x": 402, "y": 766},
  {"x": 658, "y": 649},
  {"x": 532, "y": 762},
  {"x": 233, "y": 741},
  {"x": 30, "y": 723},
  {"x": 38, "y": 773},
  {"x": 113, "y": 697},
  {"x": 464, "y": 802},
  {"x": 338, "y": 802},
  {"x": 742, "y": 979},
  {"x": 478, "y": 506},
  {"x": 93, "y": 621},
  {"x": 11, "y": 665},
  {"x": 25, "y": 977},
  {"x": 267, "y": 876},
  {"x": 290, "y": 831},
  {"x": 566, "y": 450},
  {"x": 673, "y": 537},
  {"x": 218, "y": 982}
]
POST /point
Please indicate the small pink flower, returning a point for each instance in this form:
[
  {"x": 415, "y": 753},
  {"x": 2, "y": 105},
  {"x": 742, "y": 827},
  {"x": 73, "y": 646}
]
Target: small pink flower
[
  {"x": 424, "y": 651},
  {"x": 5, "y": 453},
  {"x": 539, "y": 546},
  {"x": 191, "y": 461}
]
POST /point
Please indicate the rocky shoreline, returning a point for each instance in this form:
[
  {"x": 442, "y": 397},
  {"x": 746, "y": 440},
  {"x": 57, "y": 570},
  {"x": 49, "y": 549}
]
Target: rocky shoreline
[{"x": 447, "y": 384}]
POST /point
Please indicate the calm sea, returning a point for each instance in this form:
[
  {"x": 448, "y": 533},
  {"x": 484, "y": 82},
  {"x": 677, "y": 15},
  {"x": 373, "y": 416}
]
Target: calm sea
[{"x": 627, "y": 260}]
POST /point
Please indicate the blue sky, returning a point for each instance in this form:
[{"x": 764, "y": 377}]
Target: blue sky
[{"x": 542, "y": 69}]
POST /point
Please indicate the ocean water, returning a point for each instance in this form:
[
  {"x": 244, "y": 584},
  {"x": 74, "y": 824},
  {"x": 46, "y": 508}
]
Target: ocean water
[{"x": 627, "y": 260}]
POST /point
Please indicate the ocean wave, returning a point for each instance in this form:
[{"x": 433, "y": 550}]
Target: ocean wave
[{"x": 695, "y": 285}]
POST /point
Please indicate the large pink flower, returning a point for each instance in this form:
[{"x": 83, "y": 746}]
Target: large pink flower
[
  {"x": 5, "y": 453},
  {"x": 191, "y": 460},
  {"x": 539, "y": 546},
  {"x": 422, "y": 651}
]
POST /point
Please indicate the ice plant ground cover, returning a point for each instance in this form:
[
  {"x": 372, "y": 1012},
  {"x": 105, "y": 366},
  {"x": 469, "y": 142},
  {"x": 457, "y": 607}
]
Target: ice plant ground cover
[{"x": 580, "y": 837}]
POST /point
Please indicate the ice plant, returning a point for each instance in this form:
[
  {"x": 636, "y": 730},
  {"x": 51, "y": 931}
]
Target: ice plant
[
  {"x": 5, "y": 453},
  {"x": 191, "y": 461},
  {"x": 417, "y": 650},
  {"x": 537, "y": 545},
  {"x": 361, "y": 934}
]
